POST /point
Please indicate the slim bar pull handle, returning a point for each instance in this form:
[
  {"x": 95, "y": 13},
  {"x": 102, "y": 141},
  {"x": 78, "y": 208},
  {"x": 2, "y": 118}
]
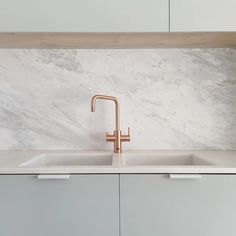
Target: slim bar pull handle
[
  {"x": 53, "y": 177},
  {"x": 185, "y": 176}
]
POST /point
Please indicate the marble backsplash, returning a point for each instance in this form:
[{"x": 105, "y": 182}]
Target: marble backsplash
[{"x": 171, "y": 98}]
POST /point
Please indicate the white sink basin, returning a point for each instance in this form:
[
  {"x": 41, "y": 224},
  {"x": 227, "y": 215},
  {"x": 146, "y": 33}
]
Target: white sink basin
[
  {"x": 163, "y": 160},
  {"x": 70, "y": 159},
  {"x": 94, "y": 159}
]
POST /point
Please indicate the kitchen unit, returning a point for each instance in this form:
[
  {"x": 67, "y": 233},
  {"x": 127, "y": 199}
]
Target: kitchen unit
[
  {"x": 202, "y": 15},
  {"x": 84, "y": 16},
  {"x": 83, "y": 205},
  {"x": 130, "y": 193},
  {"x": 105, "y": 193},
  {"x": 117, "y": 16},
  {"x": 158, "y": 204}
]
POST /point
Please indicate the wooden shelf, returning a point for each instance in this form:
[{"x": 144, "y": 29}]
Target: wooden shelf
[{"x": 119, "y": 40}]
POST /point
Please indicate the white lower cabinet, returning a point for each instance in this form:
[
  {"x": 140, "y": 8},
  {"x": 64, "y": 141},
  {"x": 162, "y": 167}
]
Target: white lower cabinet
[
  {"x": 155, "y": 205},
  {"x": 113, "y": 205},
  {"x": 84, "y": 205}
]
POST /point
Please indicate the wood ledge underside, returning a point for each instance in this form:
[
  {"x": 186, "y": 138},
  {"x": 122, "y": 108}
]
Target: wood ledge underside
[{"x": 119, "y": 40}]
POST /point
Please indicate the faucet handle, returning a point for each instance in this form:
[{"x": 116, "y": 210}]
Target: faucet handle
[
  {"x": 110, "y": 137},
  {"x": 128, "y": 131},
  {"x": 126, "y": 137}
]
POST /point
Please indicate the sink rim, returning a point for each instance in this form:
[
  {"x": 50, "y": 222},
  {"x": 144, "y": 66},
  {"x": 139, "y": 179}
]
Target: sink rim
[
  {"x": 189, "y": 162},
  {"x": 114, "y": 160},
  {"x": 34, "y": 162}
]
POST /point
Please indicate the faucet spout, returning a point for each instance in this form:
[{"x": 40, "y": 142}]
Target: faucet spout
[
  {"x": 117, "y": 136},
  {"x": 117, "y": 106}
]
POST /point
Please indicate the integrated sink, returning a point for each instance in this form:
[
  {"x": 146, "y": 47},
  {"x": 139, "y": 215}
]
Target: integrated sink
[
  {"x": 163, "y": 160},
  {"x": 69, "y": 159},
  {"x": 93, "y": 159}
]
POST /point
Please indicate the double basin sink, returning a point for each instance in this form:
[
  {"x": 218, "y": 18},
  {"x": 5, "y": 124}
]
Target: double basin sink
[{"x": 128, "y": 159}]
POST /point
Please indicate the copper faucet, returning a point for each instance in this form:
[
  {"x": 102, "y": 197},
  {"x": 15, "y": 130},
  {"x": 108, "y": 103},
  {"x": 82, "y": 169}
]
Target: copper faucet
[{"x": 117, "y": 137}]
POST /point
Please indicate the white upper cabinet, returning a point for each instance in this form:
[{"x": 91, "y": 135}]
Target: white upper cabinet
[
  {"x": 117, "y": 15},
  {"x": 203, "y": 15},
  {"x": 84, "y": 16}
]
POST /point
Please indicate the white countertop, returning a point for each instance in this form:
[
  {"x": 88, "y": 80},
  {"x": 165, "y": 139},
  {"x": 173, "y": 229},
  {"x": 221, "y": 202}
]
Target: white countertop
[{"x": 224, "y": 162}]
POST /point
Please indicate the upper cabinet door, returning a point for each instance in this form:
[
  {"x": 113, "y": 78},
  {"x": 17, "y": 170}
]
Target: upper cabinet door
[
  {"x": 84, "y": 16},
  {"x": 203, "y": 15}
]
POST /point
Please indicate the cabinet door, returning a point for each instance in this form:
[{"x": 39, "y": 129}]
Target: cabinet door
[
  {"x": 203, "y": 15},
  {"x": 157, "y": 205},
  {"x": 84, "y": 205},
  {"x": 83, "y": 15}
]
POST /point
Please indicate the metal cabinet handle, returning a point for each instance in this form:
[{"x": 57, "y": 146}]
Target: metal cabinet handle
[
  {"x": 185, "y": 176},
  {"x": 53, "y": 177}
]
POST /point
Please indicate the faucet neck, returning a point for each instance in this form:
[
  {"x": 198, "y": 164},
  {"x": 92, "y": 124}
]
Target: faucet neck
[{"x": 117, "y": 107}]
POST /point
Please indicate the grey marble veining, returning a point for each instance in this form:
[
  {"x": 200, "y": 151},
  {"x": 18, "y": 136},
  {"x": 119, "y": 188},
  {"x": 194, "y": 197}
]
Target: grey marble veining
[{"x": 171, "y": 98}]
